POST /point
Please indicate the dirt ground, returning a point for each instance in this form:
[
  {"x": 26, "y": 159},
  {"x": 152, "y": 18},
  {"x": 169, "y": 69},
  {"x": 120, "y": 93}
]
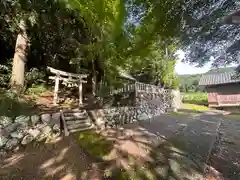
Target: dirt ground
[
  {"x": 135, "y": 150},
  {"x": 62, "y": 159}
]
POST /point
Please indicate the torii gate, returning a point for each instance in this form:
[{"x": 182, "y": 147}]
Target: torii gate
[{"x": 68, "y": 78}]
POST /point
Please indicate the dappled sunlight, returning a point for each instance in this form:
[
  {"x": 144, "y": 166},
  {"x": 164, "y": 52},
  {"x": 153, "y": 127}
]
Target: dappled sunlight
[
  {"x": 51, "y": 171},
  {"x": 61, "y": 160},
  {"x": 62, "y": 154},
  {"x": 12, "y": 160},
  {"x": 166, "y": 148},
  {"x": 48, "y": 163},
  {"x": 137, "y": 157},
  {"x": 68, "y": 177},
  {"x": 194, "y": 107}
]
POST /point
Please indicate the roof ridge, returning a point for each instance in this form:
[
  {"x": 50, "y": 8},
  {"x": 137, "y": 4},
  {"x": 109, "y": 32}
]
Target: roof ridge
[
  {"x": 217, "y": 73},
  {"x": 218, "y": 78}
]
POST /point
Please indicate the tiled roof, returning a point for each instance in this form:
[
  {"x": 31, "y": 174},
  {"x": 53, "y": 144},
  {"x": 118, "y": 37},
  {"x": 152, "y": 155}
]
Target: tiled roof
[{"x": 218, "y": 78}]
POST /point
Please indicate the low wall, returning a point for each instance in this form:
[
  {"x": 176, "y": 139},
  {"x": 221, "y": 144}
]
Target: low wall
[
  {"x": 146, "y": 106},
  {"x": 25, "y": 129},
  {"x": 124, "y": 115}
]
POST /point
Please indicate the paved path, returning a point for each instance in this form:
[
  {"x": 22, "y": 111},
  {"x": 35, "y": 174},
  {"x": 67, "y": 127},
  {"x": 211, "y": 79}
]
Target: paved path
[
  {"x": 226, "y": 153},
  {"x": 193, "y": 134},
  {"x": 209, "y": 138}
]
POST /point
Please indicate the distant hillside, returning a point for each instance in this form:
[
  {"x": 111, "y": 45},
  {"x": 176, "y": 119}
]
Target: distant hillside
[
  {"x": 189, "y": 83},
  {"x": 221, "y": 70}
]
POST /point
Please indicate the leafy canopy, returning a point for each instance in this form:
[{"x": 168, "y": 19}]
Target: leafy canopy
[
  {"x": 205, "y": 37},
  {"x": 124, "y": 32}
]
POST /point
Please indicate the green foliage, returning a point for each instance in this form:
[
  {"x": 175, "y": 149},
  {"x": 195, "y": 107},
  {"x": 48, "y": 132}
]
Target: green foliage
[
  {"x": 199, "y": 98},
  {"x": 5, "y": 74},
  {"x": 175, "y": 83},
  {"x": 103, "y": 36},
  {"x": 36, "y": 90},
  {"x": 94, "y": 144},
  {"x": 34, "y": 77},
  {"x": 189, "y": 83},
  {"x": 12, "y": 105},
  {"x": 96, "y": 35},
  {"x": 156, "y": 68},
  {"x": 123, "y": 38},
  {"x": 54, "y": 31},
  {"x": 206, "y": 37}
]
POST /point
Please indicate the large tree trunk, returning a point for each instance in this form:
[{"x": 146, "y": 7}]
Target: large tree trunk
[{"x": 20, "y": 59}]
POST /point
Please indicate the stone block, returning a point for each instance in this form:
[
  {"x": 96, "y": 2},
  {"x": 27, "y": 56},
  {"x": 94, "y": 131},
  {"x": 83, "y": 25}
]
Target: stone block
[
  {"x": 11, "y": 143},
  {"x": 35, "y": 119},
  {"x": 23, "y": 120},
  {"x": 3, "y": 140},
  {"x": 46, "y": 118},
  {"x": 5, "y": 121}
]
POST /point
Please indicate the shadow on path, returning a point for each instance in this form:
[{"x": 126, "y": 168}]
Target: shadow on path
[{"x": 169, "y": 147}]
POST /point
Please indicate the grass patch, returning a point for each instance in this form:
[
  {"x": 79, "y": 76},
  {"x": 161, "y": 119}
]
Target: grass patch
[
  {"x": 198, "y": 98},
  {"x": 94, "y": 144},
  {"x": 12, "y": 105},
  {"x": 36, "y": 90},
  {"x": 194, "y": 107}
]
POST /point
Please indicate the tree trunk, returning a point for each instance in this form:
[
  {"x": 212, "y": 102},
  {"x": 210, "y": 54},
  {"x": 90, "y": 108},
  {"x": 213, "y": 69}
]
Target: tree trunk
[{"x": 20, "y": 59}]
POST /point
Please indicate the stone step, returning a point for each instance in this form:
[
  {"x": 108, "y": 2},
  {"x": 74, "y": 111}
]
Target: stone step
[
  {"x": 78, "y": 121},
  {"x": 74, "y": 110},
  {"x": 81, "y": 129},
  {"x": 72, "y": 118},
  {"x": 75, "y": 114},
  {"x": 77, "y": 126}
]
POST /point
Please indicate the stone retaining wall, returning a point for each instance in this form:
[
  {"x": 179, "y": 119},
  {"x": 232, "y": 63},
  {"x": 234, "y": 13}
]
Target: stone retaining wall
[
  {"x": 25, "y": 129},
  {"x": 124, "y": 115}
]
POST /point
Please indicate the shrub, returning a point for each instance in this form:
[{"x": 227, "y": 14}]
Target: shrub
[
  {"x": 5, "y": 74},
  {"x": 34, "y": 76},
  {"x": 36, "y": 90},
  {"x": 12, "y": 105},
  {"x": 195, "y": 98}
]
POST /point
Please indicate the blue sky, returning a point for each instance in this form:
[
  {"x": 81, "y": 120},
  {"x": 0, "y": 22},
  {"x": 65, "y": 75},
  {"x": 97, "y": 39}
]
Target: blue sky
[{"x": 185, "y": 68}]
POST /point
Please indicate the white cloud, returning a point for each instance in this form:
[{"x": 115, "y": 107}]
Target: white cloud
[{"x": 186, "y": 68}]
